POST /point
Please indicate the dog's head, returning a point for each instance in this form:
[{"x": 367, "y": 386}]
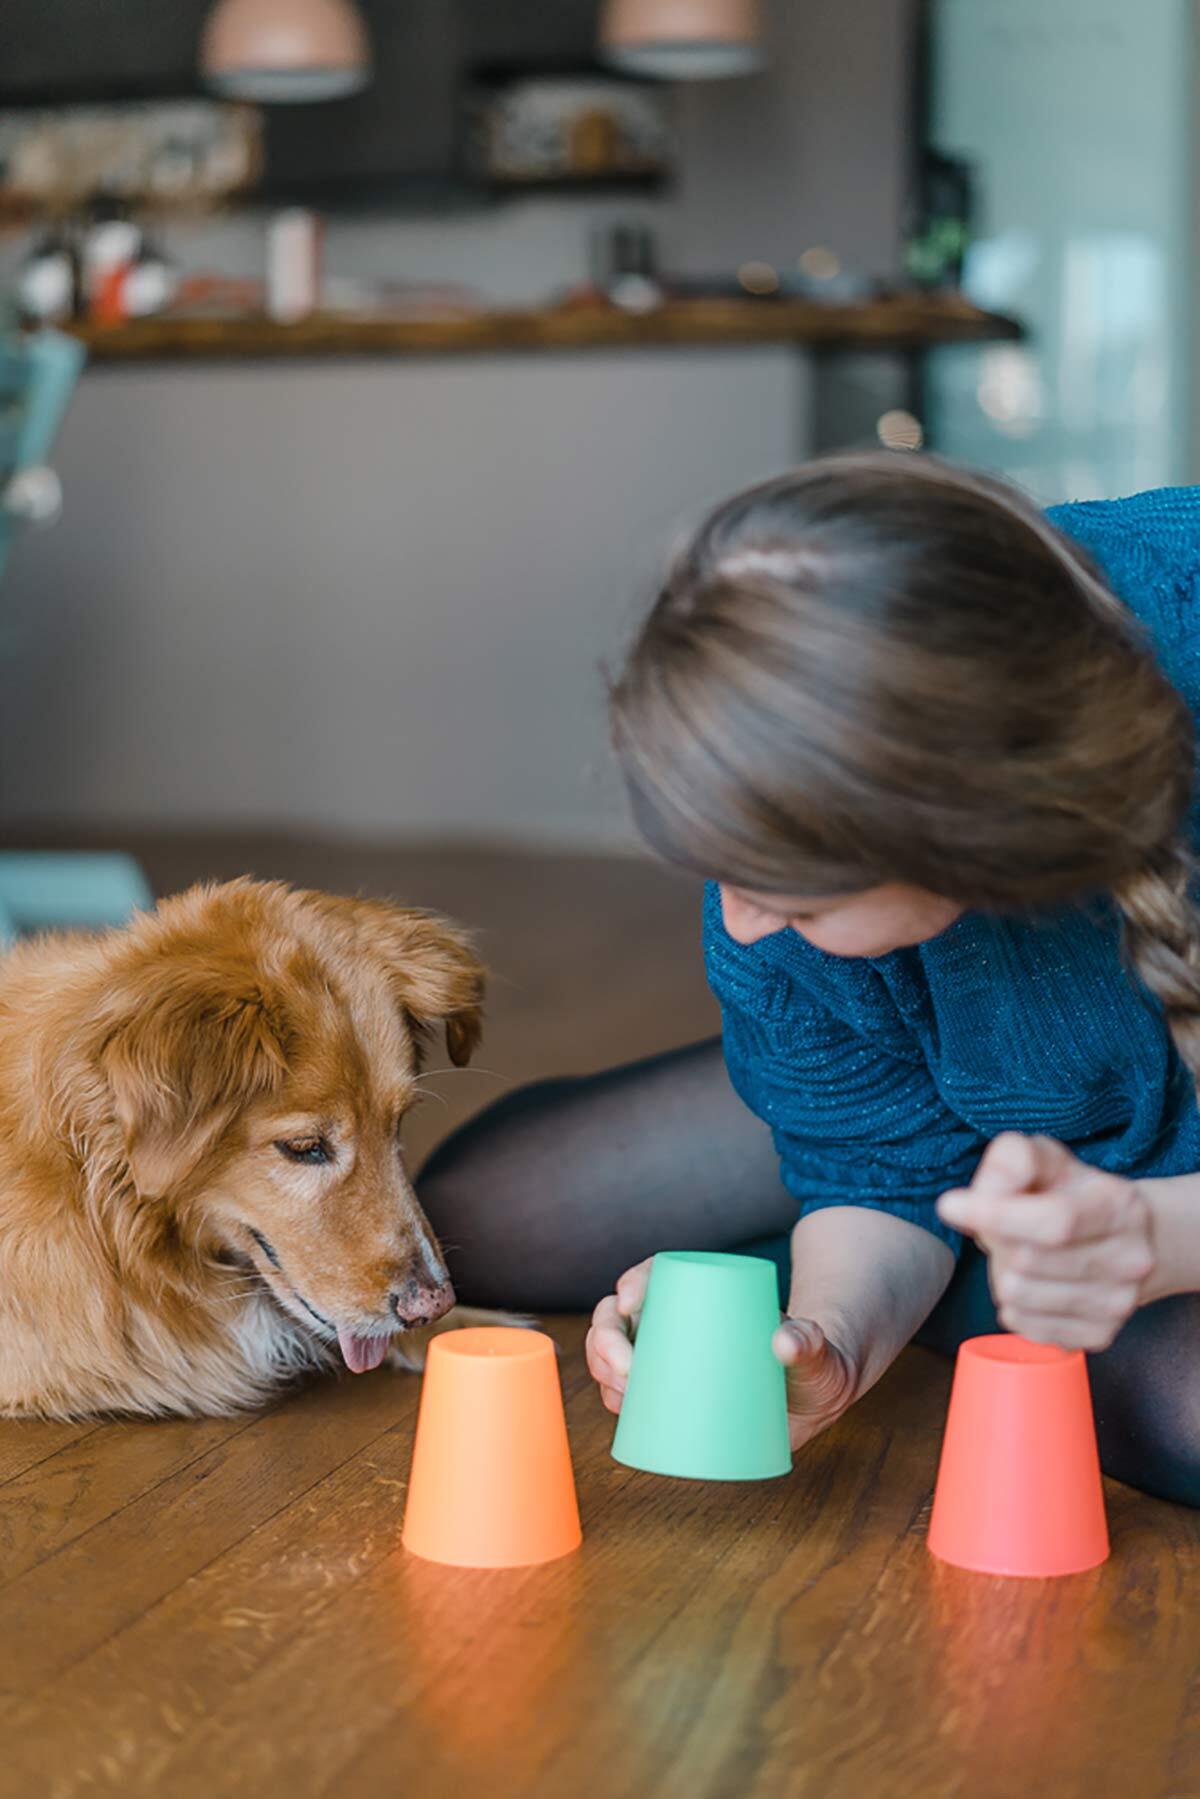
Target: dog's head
[{"x": 260, "y": 1050}]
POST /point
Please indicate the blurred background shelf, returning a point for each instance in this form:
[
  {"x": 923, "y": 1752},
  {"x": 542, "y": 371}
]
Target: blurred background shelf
[{"x": 909, "y": 322}]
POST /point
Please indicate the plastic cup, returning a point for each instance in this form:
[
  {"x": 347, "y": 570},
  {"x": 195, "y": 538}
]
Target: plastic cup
[
  {"x": 707, "y": 1399},
  {"x": 491, "y": 1483},
  {"x": 1018, "y": 1486}
]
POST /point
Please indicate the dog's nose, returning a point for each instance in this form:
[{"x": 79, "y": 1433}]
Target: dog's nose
[{"x": 416, "y": 1301}]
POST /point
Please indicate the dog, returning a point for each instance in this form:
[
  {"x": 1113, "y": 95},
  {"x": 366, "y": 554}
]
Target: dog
[{"x": 202, "y": 1183}]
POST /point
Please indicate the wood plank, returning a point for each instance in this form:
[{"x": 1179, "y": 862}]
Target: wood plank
[
  {"x": 815, "y": 1648},
  {"x": 909, "y": 320},
  {"x": 441, "y": 1668},
  {"x": 123, "y": 1713},
  {"x": 653, "y": 1671},
  {"x": 227, "y": 1749},
  {"x": 973, "y": 1684},
  {"x": 68, "y": 1493},
  {"x": 24, "y": 1442},
  {"x": 789, "y": 1637},
  {"x": 59, "y": 1610}
]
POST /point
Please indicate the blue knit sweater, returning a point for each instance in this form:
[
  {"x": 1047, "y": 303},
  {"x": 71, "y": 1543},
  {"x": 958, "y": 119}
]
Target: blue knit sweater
[{"x": 884, "y": 1077}]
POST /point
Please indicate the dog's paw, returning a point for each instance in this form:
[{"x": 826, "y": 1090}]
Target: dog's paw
[{"x": 409, "y": 1350}]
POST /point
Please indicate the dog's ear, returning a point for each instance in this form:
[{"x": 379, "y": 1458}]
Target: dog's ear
[
  {"x": 432, "y": 966},
  {"x": 198, "y": 1041}
]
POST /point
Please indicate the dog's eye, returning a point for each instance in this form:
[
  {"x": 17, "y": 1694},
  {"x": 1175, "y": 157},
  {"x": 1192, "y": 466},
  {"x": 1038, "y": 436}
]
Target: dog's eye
[{"x": 311, "y": 1150}]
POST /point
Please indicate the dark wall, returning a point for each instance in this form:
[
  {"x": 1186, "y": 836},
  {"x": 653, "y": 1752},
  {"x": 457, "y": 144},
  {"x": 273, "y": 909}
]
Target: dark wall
[
  {"x": 402, "y": 129},
  {"x": 94, "y": 49}
]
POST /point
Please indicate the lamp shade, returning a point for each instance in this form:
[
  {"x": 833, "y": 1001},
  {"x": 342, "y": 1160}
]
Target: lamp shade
[
  {"x": 285, "y": 50},
  {"x": 682, "y": 40}
]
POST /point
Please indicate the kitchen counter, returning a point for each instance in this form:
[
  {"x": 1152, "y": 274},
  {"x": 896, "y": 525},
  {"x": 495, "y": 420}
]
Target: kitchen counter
[{"x": 910, "y": 322}]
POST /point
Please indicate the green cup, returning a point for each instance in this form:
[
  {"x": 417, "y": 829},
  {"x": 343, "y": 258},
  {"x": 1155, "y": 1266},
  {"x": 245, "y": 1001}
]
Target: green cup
[{"x": 707, "y": 1399}]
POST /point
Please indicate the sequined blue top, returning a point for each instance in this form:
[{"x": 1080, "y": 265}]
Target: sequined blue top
[{"x": 884, "y": 1077}]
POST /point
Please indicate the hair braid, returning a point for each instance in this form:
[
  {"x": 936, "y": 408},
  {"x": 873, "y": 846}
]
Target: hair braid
[{"x": 1162, "y": 941}]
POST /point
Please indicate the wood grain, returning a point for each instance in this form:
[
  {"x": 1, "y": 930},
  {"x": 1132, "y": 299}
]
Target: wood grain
[
  {"x": 91, "y": 1479},
  {"x": 910, "y": 321},
  {"x": 26, "y": 1442}
]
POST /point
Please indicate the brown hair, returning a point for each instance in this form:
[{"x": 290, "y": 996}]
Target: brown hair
[{"x": 884, "y": 668}]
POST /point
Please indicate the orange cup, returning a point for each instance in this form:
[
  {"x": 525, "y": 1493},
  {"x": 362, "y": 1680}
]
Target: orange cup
[
  {"x": 1018, "y": 1486},
  {"x": 491, "y": 1483}
]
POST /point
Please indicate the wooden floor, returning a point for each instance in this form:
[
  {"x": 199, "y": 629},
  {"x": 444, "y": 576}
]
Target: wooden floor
[{"x": 223, "y": 1608}]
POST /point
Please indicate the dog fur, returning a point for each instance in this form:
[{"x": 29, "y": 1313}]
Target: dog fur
[{"x": 202, "y": 1187}]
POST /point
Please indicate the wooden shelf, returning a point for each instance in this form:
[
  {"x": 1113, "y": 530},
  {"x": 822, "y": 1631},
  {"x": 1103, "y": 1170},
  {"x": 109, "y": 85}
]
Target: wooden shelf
[{"x": 907, "y": 322}]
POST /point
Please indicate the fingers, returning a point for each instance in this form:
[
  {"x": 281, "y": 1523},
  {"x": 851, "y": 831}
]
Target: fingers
[
  {"x": 1070, "y": 1247},
  {"x": 1089, "y": 1334},
  {"x": 609, "y": 1348},
  {"x": 631, "y": 1289},
  {"x": 1086, "y": 1207},
  {"x": 609, "y": 1352},
  {"x": 1022, "y": 1296},
  {"x": 1122, "y": 1258},
  {"x": 1014, "y": 1164}
]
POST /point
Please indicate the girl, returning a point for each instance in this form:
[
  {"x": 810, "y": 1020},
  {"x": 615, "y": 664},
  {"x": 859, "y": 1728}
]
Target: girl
[{"x": 934, "y": 751}]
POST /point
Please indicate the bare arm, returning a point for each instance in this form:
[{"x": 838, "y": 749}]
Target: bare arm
[{"x": 869, "y": 1279}]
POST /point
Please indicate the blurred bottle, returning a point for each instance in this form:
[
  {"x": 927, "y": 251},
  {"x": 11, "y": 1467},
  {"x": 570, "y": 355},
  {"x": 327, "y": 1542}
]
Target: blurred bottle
[
  {"x": 150, "y": 282},
  {"x": 293, "y": 265},
  {"x": 110, "y": 250},
  {"x": 48, "y": 282},
  {"x": 625, "y": 266}
]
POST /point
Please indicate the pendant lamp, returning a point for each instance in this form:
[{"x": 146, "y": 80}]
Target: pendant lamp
[
  {"x": 285, "y": 50},
  {"x": 682, "y": 40}
]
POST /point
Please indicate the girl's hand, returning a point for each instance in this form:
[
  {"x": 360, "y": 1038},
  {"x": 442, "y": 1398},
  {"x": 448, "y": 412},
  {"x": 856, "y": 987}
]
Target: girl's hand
[
  {"x": 821, "y": 1379},
  {"x": 609, "y": 1346},
  {"x": 1071, "y": 1249}
]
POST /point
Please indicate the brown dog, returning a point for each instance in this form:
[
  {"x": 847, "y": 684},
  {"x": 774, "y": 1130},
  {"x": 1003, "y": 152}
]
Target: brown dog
[{"x": 202, "y": 1188}]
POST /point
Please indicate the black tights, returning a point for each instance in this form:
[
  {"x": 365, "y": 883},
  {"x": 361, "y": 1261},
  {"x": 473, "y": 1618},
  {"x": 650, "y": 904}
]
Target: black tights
[{"x": 546, "y": 1197}]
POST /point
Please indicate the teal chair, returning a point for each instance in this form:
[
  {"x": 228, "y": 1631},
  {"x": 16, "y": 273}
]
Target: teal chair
[{"x": 43, "y": 891}]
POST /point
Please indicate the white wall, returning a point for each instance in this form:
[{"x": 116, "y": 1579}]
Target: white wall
[
  {"x": 371, "y": 597},
  {"x": 813, "y": 151}
]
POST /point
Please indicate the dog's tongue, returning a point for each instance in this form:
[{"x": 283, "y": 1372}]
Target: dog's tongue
[{"x": 361, "y": 1353}]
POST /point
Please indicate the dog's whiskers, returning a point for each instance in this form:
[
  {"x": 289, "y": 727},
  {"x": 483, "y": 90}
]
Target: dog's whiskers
[{"x": 492, "y": 1073}]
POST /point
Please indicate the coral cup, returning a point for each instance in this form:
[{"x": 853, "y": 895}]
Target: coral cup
[{"x": 1018, "y": 1486}]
